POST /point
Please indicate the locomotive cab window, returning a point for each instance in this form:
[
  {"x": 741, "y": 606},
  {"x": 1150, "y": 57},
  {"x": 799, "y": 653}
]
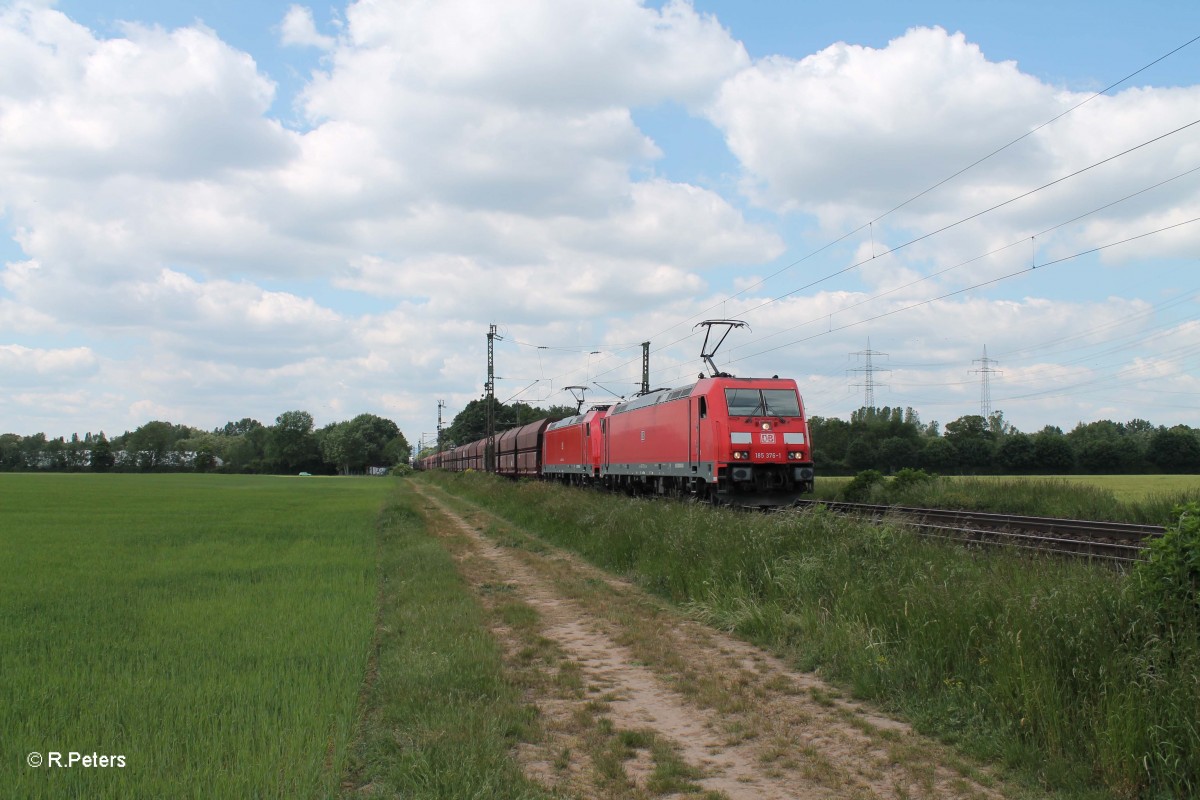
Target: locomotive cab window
[{"x": 762, "y": 403}]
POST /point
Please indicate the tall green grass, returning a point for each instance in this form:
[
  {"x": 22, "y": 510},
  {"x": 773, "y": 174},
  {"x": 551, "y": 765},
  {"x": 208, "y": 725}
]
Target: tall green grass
[
  {"x": 214, "y": 630},
  {"x": 1056, "y": 668}
]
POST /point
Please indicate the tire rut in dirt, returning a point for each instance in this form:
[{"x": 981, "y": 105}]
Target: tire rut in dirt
[{"x": 783, "y": 735}]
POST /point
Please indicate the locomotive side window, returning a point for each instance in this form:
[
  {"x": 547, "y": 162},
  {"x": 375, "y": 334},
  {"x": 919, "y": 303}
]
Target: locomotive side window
[
  {"x": 762, "y": 403},
  {"x": 703, "y": 407}
]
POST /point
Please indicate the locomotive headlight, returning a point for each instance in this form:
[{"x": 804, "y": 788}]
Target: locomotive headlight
[
  {"x": 795, "y": 455},
  {"x": 766, "y": 426}
]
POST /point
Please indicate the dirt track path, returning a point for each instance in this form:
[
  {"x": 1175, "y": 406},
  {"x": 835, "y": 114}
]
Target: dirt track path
[{"x": 635, "y": 700}]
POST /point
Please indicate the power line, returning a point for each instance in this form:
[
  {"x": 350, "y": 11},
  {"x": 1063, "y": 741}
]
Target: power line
[
  {"x": 1138, "y": 337},
  {"x": 1057, "y": 343},
  {"x": 927, "y": 235},
  {"x": 945, "y": 228},
  {"x": 940, "y": 183},
  {"x": 1181, "y": 352},
  {"x": 1029, "y": 133},
  {"x": 976, "y": 215},
  {"x": 975, "y": 286},
  {"x": 967, "y": 262},
  {"x": 832, "y": 329}
]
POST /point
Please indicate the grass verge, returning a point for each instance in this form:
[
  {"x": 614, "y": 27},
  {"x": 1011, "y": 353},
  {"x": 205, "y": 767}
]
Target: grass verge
[
  {"x": 438, "y": 717},
  {"x": 1054, "y": 668}
]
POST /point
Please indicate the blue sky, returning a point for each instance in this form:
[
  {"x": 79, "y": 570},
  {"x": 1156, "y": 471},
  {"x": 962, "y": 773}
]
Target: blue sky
[
  {"x": 215, "y": 210},
  {"x": 1070, "y": 42}
]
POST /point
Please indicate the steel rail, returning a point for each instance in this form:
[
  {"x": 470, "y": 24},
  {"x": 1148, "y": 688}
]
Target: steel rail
[{"x": 1115, "y": 541}]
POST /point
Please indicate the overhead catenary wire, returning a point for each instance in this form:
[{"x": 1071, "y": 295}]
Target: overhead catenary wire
[
  {"x": 1022, "y": 271},
  {"x": 976, "y": 215},
  {"x": 892, "y": 210},
  {"x": 576, "y": 348},
  {"x": 966, "y": 262},
  {"x": 1180, "y": 298},
  {"x": 950, "y": 226},
  {"x": 938, "y": 184},
  {"x": 1106, "y": 378},
  {"x": 1141, "y": 338},
  {"x": 1159, "y": 332},
  {"x": 522, "y": 391},
  {"x": 1057, "y": 344}
]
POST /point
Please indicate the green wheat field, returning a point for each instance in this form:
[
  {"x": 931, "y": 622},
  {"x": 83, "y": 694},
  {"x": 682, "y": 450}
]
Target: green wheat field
[{"x": 212, "y": 630}]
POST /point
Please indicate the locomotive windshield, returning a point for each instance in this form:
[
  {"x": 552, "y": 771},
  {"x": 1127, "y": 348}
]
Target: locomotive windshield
[{"x": 762, "y": 403}]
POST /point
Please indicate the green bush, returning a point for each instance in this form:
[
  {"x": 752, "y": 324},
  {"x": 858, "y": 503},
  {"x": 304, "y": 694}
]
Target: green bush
[
  {"x": 869, "y": 486},
  {"x": 909, "y": 478},
  {"x": 1170, "y": 580},
  {"x": 862, "y": 488}
]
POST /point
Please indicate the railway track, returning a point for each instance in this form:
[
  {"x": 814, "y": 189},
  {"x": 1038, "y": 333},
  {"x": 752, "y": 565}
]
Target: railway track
[{"x": 1114, "y": 541}]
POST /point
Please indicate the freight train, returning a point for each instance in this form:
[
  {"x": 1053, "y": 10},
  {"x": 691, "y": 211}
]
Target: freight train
[{"x": 724, "y": 440}]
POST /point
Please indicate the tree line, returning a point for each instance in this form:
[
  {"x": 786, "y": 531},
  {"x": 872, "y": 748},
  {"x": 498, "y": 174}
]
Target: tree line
[
  {"x": 888, "y": 439},
  {"x": 293, "y": 444}
]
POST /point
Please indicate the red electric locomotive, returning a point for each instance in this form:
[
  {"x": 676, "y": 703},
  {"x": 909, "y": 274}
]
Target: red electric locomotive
[
  {"x": 572, "y": 448},
  {"x": 742, "y": 441}
]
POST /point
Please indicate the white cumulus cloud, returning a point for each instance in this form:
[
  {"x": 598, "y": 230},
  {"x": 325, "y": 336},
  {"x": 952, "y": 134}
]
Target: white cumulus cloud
[
  {"x": 298, "y": 28},
  {"x": 851, "y": 132}
]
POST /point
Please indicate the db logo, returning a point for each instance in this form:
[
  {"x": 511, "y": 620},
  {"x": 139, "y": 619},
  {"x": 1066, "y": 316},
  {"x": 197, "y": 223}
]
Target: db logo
[{"x": 767, "y": 438}]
